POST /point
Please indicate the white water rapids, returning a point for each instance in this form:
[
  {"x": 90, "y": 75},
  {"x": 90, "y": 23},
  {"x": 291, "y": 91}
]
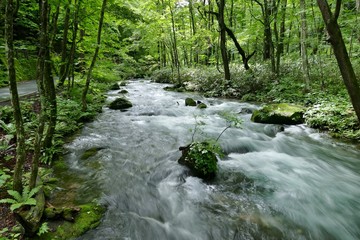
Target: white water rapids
[{"x": 295, "y": 184}]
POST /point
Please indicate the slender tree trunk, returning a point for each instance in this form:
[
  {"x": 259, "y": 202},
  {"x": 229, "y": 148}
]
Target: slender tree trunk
[
  {"x": 175, "y": 50},
  {"x": 70, "y": 63},
  {"x": 303, "y": 38},
  {"x": 87, "y": 84},
  {"x": 342, "y": 57},
  {"x": 193, "y": 28},
  {"x": 221, "y": 20},
  {"x": 63, "y": 73},
  {"x": 280, "y": 41},
  {"x": 43, "y": 72},
  {"x": 20, "y": 138},
  {"x": 54, "y": 21}
]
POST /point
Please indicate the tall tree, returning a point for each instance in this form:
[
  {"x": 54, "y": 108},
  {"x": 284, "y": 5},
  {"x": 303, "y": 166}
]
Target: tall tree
[
  {"x": 20, "y": 138},
  {"x": 222, "y": 26},
  {"x": 303, "y": 39},
  {"x": 175, "y": 52},
  {"x": 64, "y": 54},
  {"x": 88, "y": 78},
  {"x": 342, "y": 57}
]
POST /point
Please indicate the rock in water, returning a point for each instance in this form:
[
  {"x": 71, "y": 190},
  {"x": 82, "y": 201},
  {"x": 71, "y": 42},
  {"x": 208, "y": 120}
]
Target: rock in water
[
  {"x": 200, "y": 159},
  {"x": 120, "y": 103},
  {"x": 281, "y": 113},
  {"x": 115, "y": 86},
  {"x": 190, "y": 102},
  {"x": 202, "y": 105}
]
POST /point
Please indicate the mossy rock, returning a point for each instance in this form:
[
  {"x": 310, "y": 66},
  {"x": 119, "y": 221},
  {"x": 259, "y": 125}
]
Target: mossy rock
[
  {"x": 123, "y": 91},
  {"x": 123, "y": 84},
  {"x": 282, "y": 113},
  {"x": 200, "y": 159},
  {"x": 88, "y": 218},
  {"x": 202, "y": 106},
  {"x": 90, "y": 152},
  {"x": 30, "y": 218},
  {"x": 190, "y": 102},
  {"x": 115, "y": 86},
  {"x": 120, "y": 104}
]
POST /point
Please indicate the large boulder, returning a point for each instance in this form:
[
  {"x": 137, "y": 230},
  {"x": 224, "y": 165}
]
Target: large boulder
[
  {"x": 281, "y": 113},
  {"x": 200, "y": 159},
  {"x": 120, "y": 104}
]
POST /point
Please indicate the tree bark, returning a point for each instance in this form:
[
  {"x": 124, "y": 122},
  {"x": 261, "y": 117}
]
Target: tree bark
[
  {"x": 221, "y": 7},
  {"x": 303, "y": 37},
  {"x": 342, "y": 57},
  {"x": 175, "y": 50},
  {"x": 20, "y": 138},
  {"x": 245, "y": 59},
  {"x": 63, "y": 72},
  {"x": 88, "y": 78}
]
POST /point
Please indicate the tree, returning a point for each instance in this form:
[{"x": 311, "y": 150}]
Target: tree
[
  {"x": 88, "y": 78},
  {"x": 342, "y": 57},
  {"x": 20, "y": 138},
  {"x": 222, "y": 26},
  {"x": 64, "y": 55},
  {"x": 303, "y": 38}
]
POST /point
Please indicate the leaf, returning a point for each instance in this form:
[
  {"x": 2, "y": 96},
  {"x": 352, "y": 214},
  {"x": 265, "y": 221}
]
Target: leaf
[
  {"x": 34, "y": 191},
  {"x": 16, "y": 195},
  {"x": 8, "y": 200},
  {"x": 15, "y": 206},
  {"x": 30, "y": 201}
]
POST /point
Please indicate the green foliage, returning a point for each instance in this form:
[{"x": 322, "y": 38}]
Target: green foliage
[
  {"x": 203, "y": 156},
  {"x": 55, "y": 150},
  {"x": 24, "y": 199},
  {"x": 6, "y": 234},
  {"x": 163, "y": 75},
  {"x": 338, "y": 117},
  {"x": 4, "y": 177},
  {"x": 44, "y": 228}
]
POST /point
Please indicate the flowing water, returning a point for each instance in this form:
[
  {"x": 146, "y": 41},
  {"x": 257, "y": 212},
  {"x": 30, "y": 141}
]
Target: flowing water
[{"x": 293, "y": 184}]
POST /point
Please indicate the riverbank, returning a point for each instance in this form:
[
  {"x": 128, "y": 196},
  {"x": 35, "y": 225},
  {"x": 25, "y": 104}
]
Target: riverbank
[{"x": 70, "y": 120}]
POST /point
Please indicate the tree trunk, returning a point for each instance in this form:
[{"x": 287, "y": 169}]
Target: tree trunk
[
  {"x": 245, "y": 59},
  {"x": 221, "y": 7},
  {"x": 303, "y": 37},
  {"x": 280, "y": 40},
  {"x": 63, "y": 72},
  {"x": 175, "y": 50},
  {"x": 87, "y": 84},
  {"x": 340, "y": 52},
  {"x": 70, "y": 64},
  {"x": 20, "y": 138},
  {"x": 193, "y": 28}
]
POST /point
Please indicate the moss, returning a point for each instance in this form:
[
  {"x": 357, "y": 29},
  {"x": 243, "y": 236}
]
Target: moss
[
  {"x": 202, "y": 105},
  {"x": 190, "y": 102},
  {"x": 90, "y": 152},
  {"x": 88, "y": 218},
  {"x": 282, "y": 113},
  {"x": 120, "y": 103}
]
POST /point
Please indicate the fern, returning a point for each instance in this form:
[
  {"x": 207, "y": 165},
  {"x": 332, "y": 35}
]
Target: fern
[{"x": 19, "y": 200}]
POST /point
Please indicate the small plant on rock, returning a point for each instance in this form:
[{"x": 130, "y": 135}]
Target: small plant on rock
[{"x": 201, "y": 156}]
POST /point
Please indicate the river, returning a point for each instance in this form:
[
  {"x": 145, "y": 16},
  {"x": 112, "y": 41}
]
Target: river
[{"x": 294, "y": 184}]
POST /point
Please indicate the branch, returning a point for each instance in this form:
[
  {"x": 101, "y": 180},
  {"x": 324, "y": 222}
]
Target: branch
[{"x": 337, "y": 10}]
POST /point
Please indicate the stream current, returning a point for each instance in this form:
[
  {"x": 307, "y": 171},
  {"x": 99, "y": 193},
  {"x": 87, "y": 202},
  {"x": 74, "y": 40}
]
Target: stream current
[{"x": 293, "y": 184}]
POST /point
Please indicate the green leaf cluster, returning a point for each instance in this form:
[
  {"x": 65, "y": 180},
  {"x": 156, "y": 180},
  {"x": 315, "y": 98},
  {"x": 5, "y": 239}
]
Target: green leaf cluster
[
  {"x": 21, "y": 199},
  {"x": 203, "y": 155}
]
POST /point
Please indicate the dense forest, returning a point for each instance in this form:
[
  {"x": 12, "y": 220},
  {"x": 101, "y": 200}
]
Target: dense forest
[{"x": 300, "y": 52}]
